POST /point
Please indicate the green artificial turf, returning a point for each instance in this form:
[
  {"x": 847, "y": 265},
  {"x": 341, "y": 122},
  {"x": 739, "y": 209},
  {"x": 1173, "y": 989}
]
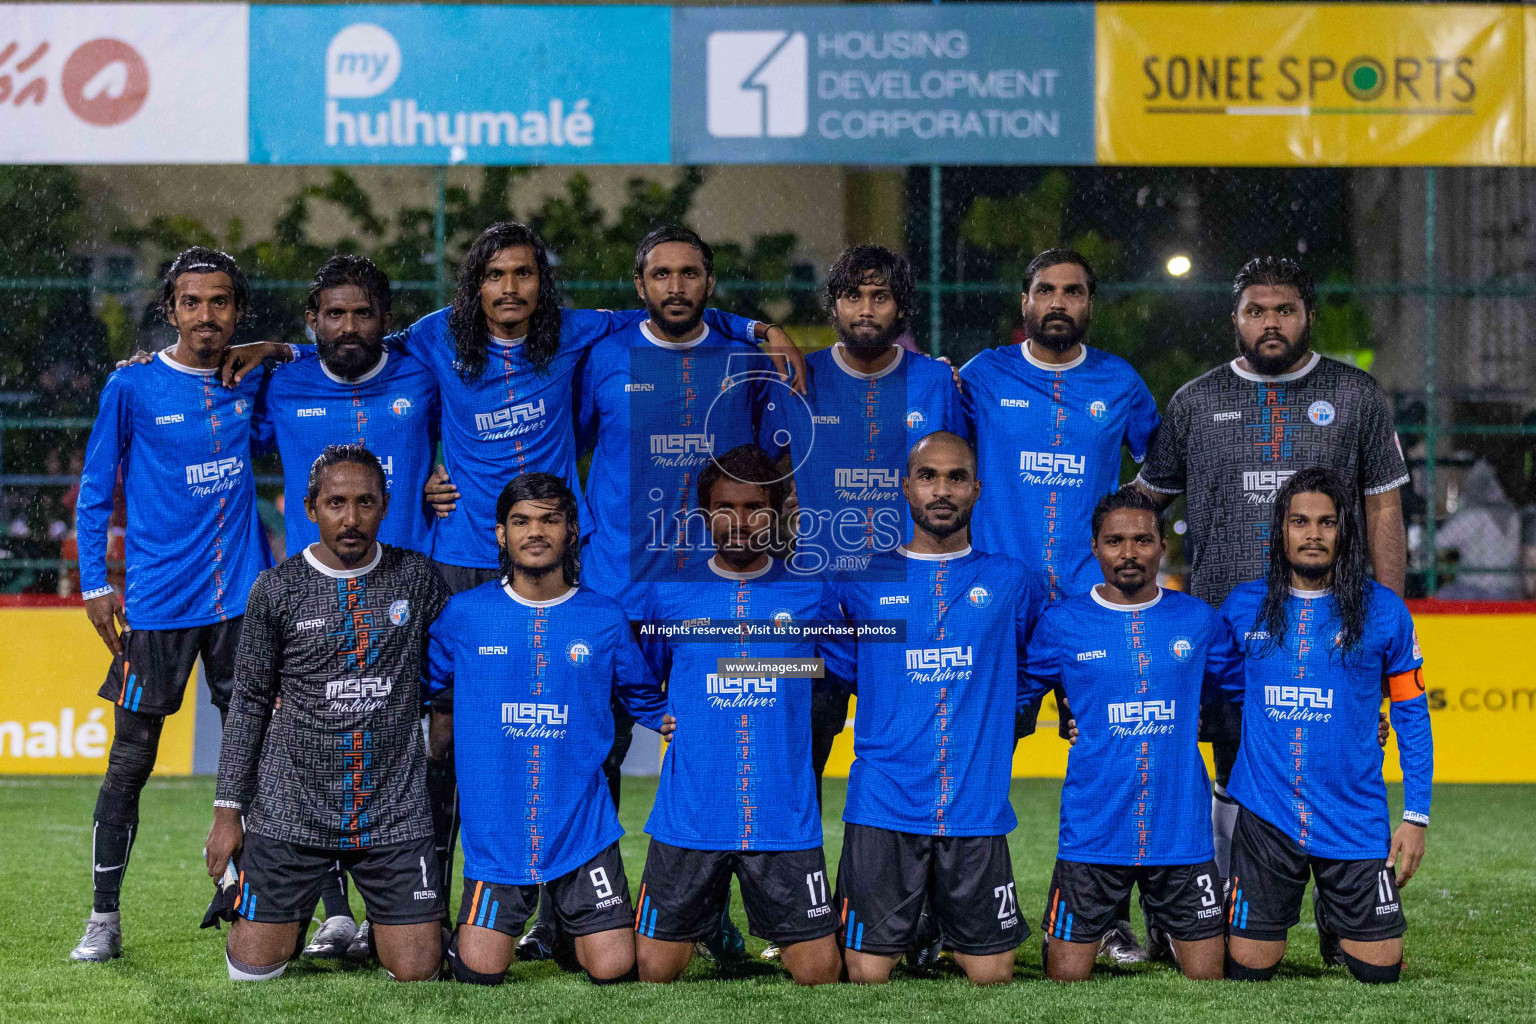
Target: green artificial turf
[{"x": 1471, "y": 946}]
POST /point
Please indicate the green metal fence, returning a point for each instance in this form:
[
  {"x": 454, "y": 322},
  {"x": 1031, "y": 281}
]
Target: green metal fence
[{"x": 22, "y": 434}]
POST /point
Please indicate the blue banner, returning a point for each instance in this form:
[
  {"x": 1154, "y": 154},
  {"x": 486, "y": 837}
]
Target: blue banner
[
  {"x": 408, "y": 84},
  {"x": 886, "y": 84}
]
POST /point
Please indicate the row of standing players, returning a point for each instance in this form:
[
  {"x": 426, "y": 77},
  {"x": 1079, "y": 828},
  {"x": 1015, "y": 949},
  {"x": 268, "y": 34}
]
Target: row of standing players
[{"x": 495, "y": 378}]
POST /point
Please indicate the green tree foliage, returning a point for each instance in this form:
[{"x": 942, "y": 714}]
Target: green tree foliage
[
  {"x": 50, "y": 343},
  {"x": 594, "y": 249}
]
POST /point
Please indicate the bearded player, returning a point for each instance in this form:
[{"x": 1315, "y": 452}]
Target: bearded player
[{"x": 1322, "y": 645}]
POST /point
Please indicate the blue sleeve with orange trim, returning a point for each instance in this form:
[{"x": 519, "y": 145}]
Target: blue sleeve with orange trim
[
  {"x": 1042, "y": 665},
  {"x": 1142, "y": 420},
  {"x": 634, "y": 683},
  {"x": 841, "y": 662},
  {"x": 104, "y": 452},
  {"x": 1223, "y": 666},
  {"x": 439, "y": 664},
  {"x": 1025, "y": 619},
  {"x": 1404, "y": 667}
]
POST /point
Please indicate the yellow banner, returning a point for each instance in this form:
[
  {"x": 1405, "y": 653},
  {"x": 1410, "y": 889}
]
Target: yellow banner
[
  {"x": 51, "y": 721},
  {"x": 1482, "y": 707},
  {"x": 1530, "y": 86},
  {"x": 1297, "y": 84}
]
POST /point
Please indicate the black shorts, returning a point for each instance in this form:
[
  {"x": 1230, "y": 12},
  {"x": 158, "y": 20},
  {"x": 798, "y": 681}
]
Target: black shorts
[
  {"x": 458, "y": 578},
  {"x": 885, "y": 877},
  {"x": 1026, "y": 721},
  {"x": 1183, "y": 900},
  {"x": 1355, "y": 899},
  {"x": 593, "y": 898},
  {"x": 1221, "y": 721},
  {"x": 829, "y": 710},
  {"x": 280, "y": 882},
  {"x": 684, "y": 892},
  {"x": 150, "y": 676}
]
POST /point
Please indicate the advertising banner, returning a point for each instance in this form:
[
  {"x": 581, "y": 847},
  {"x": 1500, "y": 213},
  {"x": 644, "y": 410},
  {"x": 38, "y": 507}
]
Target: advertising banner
[
  {"x": 123, "y": 83},
  {"x": 410, "y": 84},
  {"x": 51, "y": 720},
  {"x": 883, "y": 84},
  {"x": 1530, "y": 86},
  {"x": 1292, "y": 84}
]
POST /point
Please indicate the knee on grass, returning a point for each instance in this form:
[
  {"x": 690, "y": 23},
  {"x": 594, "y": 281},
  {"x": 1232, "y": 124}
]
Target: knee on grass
[
  {"x": 468, "y": 975},
  {"x": 240, "y": 971},
  {"x": 1373, "y": 974},
  {"x": 1240, "y": 972}
]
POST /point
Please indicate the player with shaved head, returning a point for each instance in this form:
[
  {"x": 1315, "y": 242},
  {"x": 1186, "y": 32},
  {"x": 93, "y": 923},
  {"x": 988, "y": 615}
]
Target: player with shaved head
[{"x": 927, "y": 813}]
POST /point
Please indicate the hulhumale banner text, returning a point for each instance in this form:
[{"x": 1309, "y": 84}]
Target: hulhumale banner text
[
  {"x": 883, "y": 84},
  {"x": 1296, "y": 84},
  {"x": 407, "y": 84}
]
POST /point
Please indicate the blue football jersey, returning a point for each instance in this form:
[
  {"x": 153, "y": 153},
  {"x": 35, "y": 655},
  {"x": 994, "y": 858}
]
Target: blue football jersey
[
  {"x": 391, "y": 410},
  {"x": 532, "y": 685},
  {"x": 1310, "y": 763},
  {"x": 1048, "y": 440},
  {"x": 658, "y": 412},
  {"x": 738, "y": 776},
  {"x": 514, "y": 419},
  {"x": 848, "y": 466},
  {"x": 1136, "y": 791},
  {"x": 183, "y": 442},
  {"x": 933, "y": 734}
]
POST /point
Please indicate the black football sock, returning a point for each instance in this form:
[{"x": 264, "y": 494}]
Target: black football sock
[{"x": 333, "y": 892}]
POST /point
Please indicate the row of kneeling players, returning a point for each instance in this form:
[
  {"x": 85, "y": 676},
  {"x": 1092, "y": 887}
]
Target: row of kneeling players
[{"x": 536, "y": 661}]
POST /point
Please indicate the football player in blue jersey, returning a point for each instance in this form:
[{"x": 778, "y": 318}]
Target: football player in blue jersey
[
  {"x": 927, "y": 817},
  {"x": 657, "y": 398},
  {"x": 1323, "y": 644},
  {"x": 1137, "y": 663},
  {"x": 871, "y": 402},
  {"x": 536, "y": 660},
  {"x": 356, "y": 392},
  {"x": 1049, "y": 418},
  {"x": 183, "y": 444},
  {"x": 737, "y": 793}
]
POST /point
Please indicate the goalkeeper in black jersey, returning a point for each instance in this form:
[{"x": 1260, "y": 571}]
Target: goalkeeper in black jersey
[{"x": 322, "y": 742}]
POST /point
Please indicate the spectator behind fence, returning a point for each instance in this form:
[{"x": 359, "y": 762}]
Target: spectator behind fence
[{"x": 1485, "y": 533}]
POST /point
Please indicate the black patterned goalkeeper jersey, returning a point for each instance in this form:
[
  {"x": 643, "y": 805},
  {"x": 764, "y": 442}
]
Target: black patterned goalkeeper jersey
[
  {"x": 342, "y": 764},
  {"x": 1230, "y": 439}
]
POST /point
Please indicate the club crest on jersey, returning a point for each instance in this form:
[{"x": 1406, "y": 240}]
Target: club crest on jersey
[
  {"x": 1097, "y": 410},
  {"x": 400, "y": 406},
  {"x": 979, "y": 596},
  {"x": 400, "y": 612},
  {"x": 242, "y": 407},
  {"x": 1181, "y": 648},
  {"x": 782, "y": 618},
  {"x": 578, "y": 652},
  {"x": 916, "y": 420},
  {"x": 1322, "y": 412}
]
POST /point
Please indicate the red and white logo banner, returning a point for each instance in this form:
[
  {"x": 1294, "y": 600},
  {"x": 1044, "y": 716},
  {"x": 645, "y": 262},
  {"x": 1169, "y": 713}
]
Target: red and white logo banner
[{"x": 123, "y": 83}]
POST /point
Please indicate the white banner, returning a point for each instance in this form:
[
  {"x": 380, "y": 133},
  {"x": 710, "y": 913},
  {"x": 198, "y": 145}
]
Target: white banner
[{"x": 123, "y": 83}]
